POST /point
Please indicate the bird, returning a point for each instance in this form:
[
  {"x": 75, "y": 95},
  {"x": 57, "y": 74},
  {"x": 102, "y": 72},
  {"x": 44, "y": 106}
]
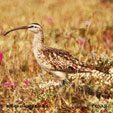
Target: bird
[{"x": 57, "y": 62}]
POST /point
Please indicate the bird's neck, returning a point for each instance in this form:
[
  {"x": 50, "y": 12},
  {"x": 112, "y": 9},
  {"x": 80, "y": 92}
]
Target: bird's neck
[{"x": 38, "y": 41}]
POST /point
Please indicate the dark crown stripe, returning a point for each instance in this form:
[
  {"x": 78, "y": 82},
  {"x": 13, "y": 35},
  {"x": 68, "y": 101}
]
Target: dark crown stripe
[{"x": 37, "y": 24}]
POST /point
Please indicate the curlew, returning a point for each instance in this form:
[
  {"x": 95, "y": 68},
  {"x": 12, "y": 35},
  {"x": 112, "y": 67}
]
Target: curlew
[{"x": 55, "y": 61}]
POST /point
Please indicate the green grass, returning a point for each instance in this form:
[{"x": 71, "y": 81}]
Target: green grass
[{"x": 66, "y": 27}]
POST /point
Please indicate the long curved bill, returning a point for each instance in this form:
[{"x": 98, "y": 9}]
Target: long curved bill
[{"x": 23, "y": 27}]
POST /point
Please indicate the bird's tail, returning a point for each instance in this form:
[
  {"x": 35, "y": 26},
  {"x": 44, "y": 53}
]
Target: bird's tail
[{"x": 89, "y": 71}]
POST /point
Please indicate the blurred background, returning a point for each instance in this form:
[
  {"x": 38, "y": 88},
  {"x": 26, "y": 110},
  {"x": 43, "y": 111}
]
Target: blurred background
[{"x": 70, "y": 22}]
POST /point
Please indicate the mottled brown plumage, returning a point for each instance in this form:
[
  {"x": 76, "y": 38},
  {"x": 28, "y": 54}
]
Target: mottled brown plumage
[{"x": 63, "y": 61}]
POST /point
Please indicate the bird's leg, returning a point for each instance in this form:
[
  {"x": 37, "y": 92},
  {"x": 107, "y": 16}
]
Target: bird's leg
[{"x": 65, "y": 82}]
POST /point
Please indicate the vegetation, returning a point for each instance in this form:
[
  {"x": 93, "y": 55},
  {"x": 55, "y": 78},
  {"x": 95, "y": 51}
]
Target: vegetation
[{"x": 82, "y": 27}]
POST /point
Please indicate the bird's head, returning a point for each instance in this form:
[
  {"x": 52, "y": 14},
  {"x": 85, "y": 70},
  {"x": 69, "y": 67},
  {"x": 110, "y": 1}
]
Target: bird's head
[{"x": 34, "y": 27}]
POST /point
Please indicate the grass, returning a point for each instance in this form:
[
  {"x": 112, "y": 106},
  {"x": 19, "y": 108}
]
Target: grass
[{"x": 64, "y": 23}]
